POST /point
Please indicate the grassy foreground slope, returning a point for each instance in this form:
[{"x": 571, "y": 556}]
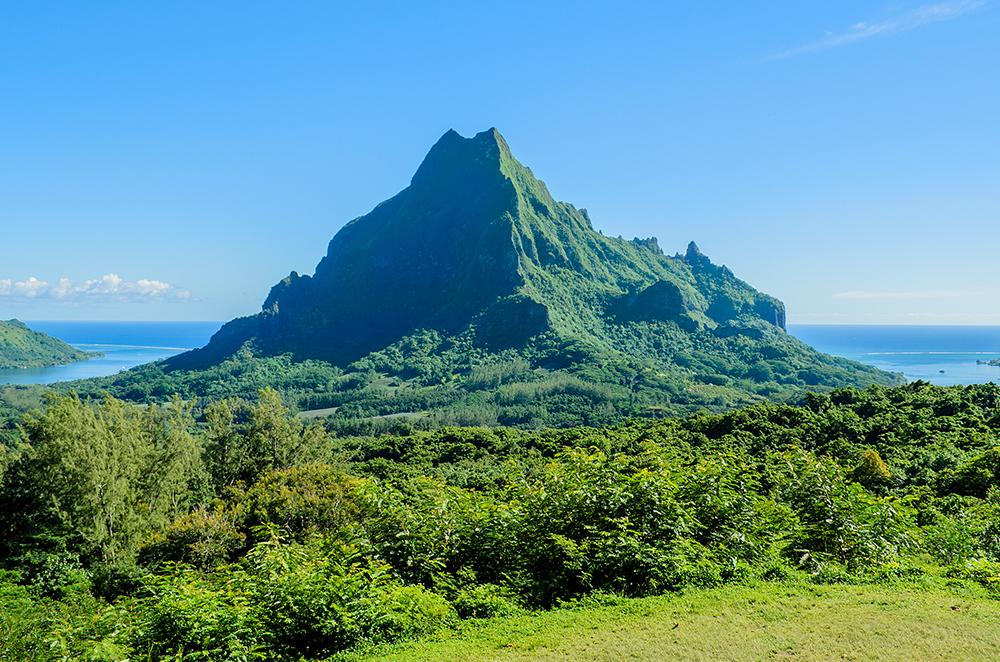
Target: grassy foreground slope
[{"x": 770, "y": 621}]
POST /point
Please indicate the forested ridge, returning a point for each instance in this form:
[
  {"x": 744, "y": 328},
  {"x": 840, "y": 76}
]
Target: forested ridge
[
  {"x": 21, "y": 347},
  {"x": 238, "y": 531}
]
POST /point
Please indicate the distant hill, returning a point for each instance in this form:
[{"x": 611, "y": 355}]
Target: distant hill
[
  {"x": 20, "y": 347},
  {"x": 474, "y": 296}
]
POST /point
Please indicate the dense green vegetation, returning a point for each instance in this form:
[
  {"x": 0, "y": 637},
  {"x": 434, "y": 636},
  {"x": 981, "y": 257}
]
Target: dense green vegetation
[
  {"x": 20, "y": 347},
  {"x": 473, "y": 297},
  {"x": 428, "y": 380},
  {"x": 237, "y": 531}
]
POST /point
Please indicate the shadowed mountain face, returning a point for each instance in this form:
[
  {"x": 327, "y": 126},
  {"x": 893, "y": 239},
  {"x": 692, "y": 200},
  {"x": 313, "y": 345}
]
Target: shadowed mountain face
[{"x": 476, "y": 244}]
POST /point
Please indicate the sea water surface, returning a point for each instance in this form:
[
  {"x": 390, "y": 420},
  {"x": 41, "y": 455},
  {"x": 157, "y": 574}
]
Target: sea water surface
[
  {"x": 938, "y": 354},
  {"x": 944, "y": 355},
  {"x": 122, "y": 345}
]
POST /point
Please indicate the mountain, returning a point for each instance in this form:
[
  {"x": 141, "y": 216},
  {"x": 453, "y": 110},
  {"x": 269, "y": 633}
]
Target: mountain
[
  {"x": 475, "y": 293},
  {"x": 477, "y": 240},
  {"x": 20, "y": 347}
]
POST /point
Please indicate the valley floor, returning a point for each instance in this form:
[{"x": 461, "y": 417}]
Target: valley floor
[{"x": 767, "y": 622}]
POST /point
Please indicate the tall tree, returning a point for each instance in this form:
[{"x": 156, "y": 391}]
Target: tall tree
[{"x": 104, "y": 474}]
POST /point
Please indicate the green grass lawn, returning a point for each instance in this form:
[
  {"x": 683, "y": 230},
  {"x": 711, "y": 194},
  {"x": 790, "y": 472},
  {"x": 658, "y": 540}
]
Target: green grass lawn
[{"x": 803, "y": 622}]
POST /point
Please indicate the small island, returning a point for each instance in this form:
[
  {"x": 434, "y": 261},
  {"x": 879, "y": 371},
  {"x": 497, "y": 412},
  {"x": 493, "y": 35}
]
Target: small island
[
  {"x": 993, "y": 362},
  {"x": 20, "y": 347}
]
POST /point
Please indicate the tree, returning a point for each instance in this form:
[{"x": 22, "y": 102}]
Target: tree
[
  {"x": 104, "y": 474},
  {"x": 227, "y": 457},
  {"x": 271, "y": 438},
  {"x": 872, "y": 471}
]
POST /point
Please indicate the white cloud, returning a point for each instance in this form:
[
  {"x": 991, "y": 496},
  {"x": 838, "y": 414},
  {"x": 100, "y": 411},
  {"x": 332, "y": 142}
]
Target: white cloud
[
  {"x": 918, "y": 17},
  {"x": 110, "y": 287},
  {"x": 29, "y": 288},
  {"x": 907, "y": 296}
]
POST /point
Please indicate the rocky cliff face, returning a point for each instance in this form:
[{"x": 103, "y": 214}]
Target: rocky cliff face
[
  {"x": 477, "y": 242},
  {"x": 729, "y": 297}
]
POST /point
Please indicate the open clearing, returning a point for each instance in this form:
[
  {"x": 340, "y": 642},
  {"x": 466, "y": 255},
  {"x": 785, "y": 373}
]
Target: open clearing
[{"x": 767, "y": 622}]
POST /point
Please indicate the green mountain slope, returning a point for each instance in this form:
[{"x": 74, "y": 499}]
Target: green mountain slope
[
  {"x": 20, "y": 347},
  {"x": 474, "y": 295}
]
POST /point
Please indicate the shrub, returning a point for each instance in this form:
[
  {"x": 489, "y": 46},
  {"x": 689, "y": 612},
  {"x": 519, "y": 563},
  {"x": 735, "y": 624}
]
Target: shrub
[
  {"x": 203, "y": 538},
  {"x": 950, "y": 540},
  {"x": 24, "y": 621},
  {"x": 841, "y": 519},
  {"x": 485, "y": 601},
  {"x": 982, "y": 571},
  {"x": 475, "y": 522},
  {"x": 292, "y": 600},
  {"x": 975, "y": 477},
  {"x": 55, "y": 575},
  {"x": 404, "y": 612},
  {"x": 301, "y": 500},
  {"x": 110, "y": 581},
  {"x": 188, "y": 614},
  {"x": 872, "y": 471}
]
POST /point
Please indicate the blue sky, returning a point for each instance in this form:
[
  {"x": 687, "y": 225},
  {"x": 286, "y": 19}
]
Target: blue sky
[{"x": 174, "y": 160}]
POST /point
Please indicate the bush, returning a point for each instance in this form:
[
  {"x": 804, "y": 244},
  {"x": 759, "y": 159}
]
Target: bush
[
  {"x": 872, "y": 471},
  {"x": 24, "y": 621},
  {"x": 293, "y": 600},
  {"x": 203, "y": 538},
  {"x": 983, "y": 571},
  {"x": 404, "y": 612},
  {"x": 840, "y": 520},
  {"x": 950, "y": 540},
  {"x": 190, "y": 615},
  {"x": 110, "y": 581},
  {"x": 977, "y": 476},
  {"x": 55, "y": 575},
  {"x": 485, "y": 601},
  {"x": 301, "y": 500}
]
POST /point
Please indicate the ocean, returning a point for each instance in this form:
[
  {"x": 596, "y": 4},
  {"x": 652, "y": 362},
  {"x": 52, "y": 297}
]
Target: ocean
[
  {"x": 123, "y": 345},
  {"x": 943, "y": 355}
]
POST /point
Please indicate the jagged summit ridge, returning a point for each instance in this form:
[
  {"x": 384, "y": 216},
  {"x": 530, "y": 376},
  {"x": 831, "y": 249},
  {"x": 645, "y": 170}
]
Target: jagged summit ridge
[
  {"x": 476, "y": 243},
  {"x": 455, "y": 156}
]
